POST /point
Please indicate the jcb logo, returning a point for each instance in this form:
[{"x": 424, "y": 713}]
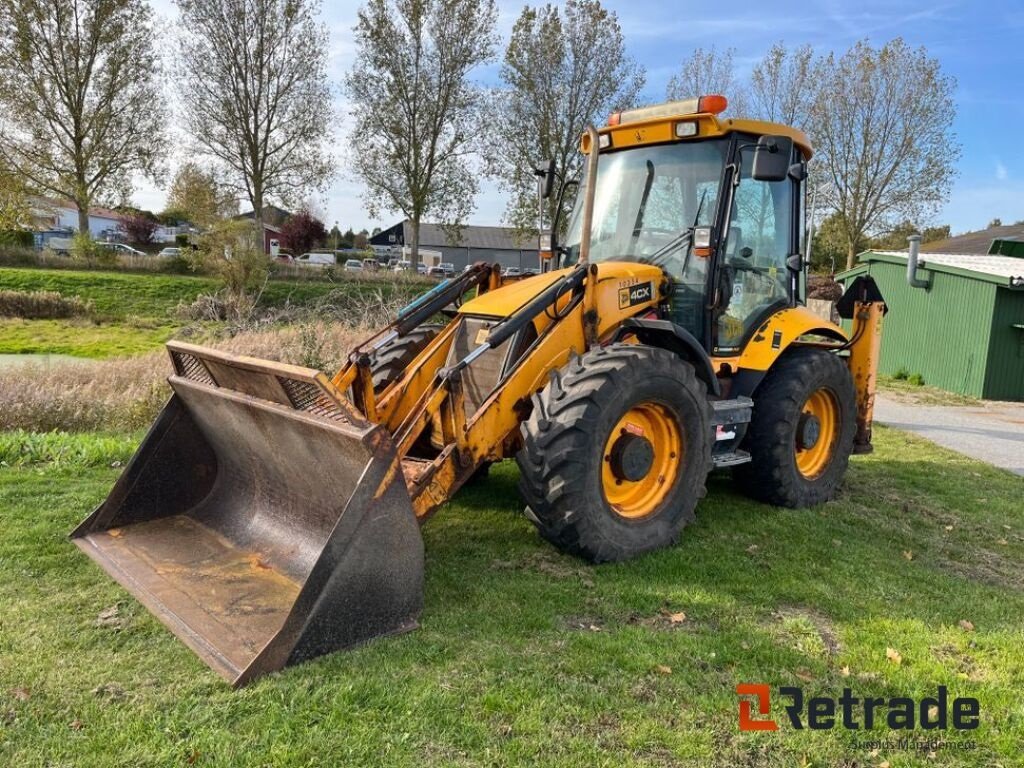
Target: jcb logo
[
  {"x": 761, "y": 692},
  {"x": 632, "y": 295}
]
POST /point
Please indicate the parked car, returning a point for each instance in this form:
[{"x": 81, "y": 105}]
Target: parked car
[
  {"x": 353, "y": 265},
  {"x": 402, "y": 266},
  {"x": 170, "y": 252},
  {"x": 371, "y": 265},
  {"x": 121, "y": 248},
  {"x": 531, "y": 272},
  {"x": 511, "y": 272},
  {"x": 317, "y": 259}
]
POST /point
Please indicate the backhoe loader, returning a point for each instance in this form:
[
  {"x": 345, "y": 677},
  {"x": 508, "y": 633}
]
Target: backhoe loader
[{"x": 272, "y": 513}]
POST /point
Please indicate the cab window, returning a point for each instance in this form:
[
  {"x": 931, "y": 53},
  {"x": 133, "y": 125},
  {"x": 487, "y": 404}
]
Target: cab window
[{"x": 753, "y": 278}]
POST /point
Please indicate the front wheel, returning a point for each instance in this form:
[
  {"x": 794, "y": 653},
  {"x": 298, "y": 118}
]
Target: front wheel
[
  {"x": 616, "y": 452},
  {"x": 801, "y": 433}
]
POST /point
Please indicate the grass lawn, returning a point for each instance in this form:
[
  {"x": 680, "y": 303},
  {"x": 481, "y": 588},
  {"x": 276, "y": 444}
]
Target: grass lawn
[
  {"x": 81, "y": 338},
  {"x": 530, "y": 657},
  {"x": 136, "y": 310}
]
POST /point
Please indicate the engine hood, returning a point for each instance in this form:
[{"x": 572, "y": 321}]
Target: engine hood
[{"x": 504, "y": 301}]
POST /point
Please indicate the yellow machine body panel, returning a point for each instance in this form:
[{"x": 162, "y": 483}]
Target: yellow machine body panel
[
  {"x": 631, "y": 277},
  {"x": 776, "y": 334}
]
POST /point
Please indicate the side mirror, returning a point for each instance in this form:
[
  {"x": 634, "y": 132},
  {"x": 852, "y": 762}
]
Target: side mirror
[
  {"x": 772, "y": 158},
  {"x": 545, "y": 174}
]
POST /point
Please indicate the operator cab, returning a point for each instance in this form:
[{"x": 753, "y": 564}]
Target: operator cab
[{"x": 668, "y": 194}]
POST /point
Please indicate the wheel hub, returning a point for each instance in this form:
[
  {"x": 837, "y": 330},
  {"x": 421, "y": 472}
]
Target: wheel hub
[
  {"x": 808, "y": 431},
  {"x": 631, "y": 457}
]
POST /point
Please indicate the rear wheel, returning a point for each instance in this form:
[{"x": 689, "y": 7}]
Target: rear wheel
[
  {"x": 391, "y": 360},
  {"x": 616, "y": 452},
  {"x": 801, "y": 433}
]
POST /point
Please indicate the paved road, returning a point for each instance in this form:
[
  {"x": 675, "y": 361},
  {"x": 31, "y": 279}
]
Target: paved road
[{"x": 992, "y": 432}]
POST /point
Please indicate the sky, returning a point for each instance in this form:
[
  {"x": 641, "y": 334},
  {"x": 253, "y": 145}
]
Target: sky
[{"x": 979, "y": 44}]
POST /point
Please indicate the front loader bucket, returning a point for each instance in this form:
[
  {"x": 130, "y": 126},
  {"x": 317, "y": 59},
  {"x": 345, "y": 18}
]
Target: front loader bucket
[{"x": 263, "y": 519}]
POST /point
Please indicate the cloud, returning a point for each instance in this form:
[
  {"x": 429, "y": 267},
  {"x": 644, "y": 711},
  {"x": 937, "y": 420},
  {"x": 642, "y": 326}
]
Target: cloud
[{"x": 1001, "y": 173}]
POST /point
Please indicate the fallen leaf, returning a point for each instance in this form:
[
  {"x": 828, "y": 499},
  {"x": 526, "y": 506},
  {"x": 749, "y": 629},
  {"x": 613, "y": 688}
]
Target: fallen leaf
[
  {"x": 76, "y": 725},
  {"x": 966, "y": 625},
  {"x": 677, "y": 618},
  {"x": 116, "y": 464},
  {"x": 21, "y": 693},
  {"x": 948, "y": 527},
  {"x": 1007, "y": 528},
  {"x": 661, "y": 669},
  {"x": 804, "y": 675},
  {"x": 908, "y": 555},
  {"x": 845, "y": 671},
  {"x": 594, "y": 628},
  {"x": 894, "y": 656},
  {"x": 115, "y": 532},
  {"x": 884, "y": 764},
  {"x": 752, "y": 548},
  {"x": 1004, "y": 542},
  {"x": 933, "y": 713},
  {"x": 873, "y": 753}
]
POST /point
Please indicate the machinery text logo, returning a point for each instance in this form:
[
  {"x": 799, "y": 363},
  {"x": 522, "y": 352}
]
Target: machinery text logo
[
  {"x": 854, "y": 713},
  {"x": 635, "y": 294}
]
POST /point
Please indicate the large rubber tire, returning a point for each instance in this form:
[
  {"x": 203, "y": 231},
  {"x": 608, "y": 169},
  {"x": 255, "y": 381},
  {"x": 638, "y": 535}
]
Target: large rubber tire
[
  {"x": 562, "y": 462},
  {"x": 773, "y": 474},
  {"x": 391, "y": 360}
]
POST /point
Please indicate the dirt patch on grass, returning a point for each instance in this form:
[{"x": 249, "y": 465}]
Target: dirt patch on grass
[{"x": 807, "y": 630}]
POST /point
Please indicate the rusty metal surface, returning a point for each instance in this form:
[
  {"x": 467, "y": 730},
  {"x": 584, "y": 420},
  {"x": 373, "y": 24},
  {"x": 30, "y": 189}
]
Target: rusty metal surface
[{"x": 262, "y": 534}]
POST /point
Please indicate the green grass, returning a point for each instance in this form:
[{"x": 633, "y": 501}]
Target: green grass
[
  {"x": 530, "y": 657},
  {"x": 81, "y": 338},
  {"x": 136, "y": 310},
  {"x": 923, "y": 394}
]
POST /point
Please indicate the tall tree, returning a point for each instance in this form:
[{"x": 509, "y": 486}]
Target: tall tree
[
  {"x": 710, "y": 71},
  {"x": 254, "y": 76},
  {"x": 15, "y": 210},
  {"x": 783, "y": 86},
  {"x": 563, "y": 69},
  {"x": 78, "y": 91},
  {"x": 883, "y": 124},
  {"x": 198, "y": 197},
  {"x": 418, "y": 117}
]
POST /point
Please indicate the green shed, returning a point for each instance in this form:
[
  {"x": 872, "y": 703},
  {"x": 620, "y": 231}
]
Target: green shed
[{"x": 964, "y": 331}]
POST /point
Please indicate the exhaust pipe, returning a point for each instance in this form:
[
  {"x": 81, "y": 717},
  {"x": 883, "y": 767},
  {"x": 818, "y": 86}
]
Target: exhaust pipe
[{"x": 915, "y": 249}]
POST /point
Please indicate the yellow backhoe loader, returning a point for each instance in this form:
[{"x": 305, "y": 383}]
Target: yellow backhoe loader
[{"x": 272, "y": 513}]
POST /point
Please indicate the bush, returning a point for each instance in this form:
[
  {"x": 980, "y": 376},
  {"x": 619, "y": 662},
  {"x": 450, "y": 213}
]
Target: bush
[
  {"x": 17, "y": 238},
  {"x": 178, "y": 265},
  {"x": 916, "y": 379},
  {"x": 84, "y": 248},
  {"x": 902, "y": 374},
  {"x": 233, "y": 252},
  {"x": 18, "y": 256},
  {"x": 42, "y": 305}
]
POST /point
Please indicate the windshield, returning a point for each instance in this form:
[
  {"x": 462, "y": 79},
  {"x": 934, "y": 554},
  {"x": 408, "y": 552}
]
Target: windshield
[{"x": 646, "y": 200}]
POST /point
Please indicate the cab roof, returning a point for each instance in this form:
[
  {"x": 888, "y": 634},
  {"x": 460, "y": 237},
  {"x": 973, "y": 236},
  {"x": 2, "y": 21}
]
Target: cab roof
[{"x": 686, "y": 120}]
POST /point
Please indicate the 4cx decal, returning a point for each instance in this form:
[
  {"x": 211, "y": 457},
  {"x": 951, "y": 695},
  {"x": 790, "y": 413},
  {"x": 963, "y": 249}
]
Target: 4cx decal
[
  {"x": 631, "y": 295},
  {"x": 853, "y": 713}
]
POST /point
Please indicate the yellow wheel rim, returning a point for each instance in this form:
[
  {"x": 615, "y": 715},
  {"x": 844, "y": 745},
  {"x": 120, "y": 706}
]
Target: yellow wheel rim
[
  {"x": 816, "y": 433},
  {"x": 641, "y": 460}
]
